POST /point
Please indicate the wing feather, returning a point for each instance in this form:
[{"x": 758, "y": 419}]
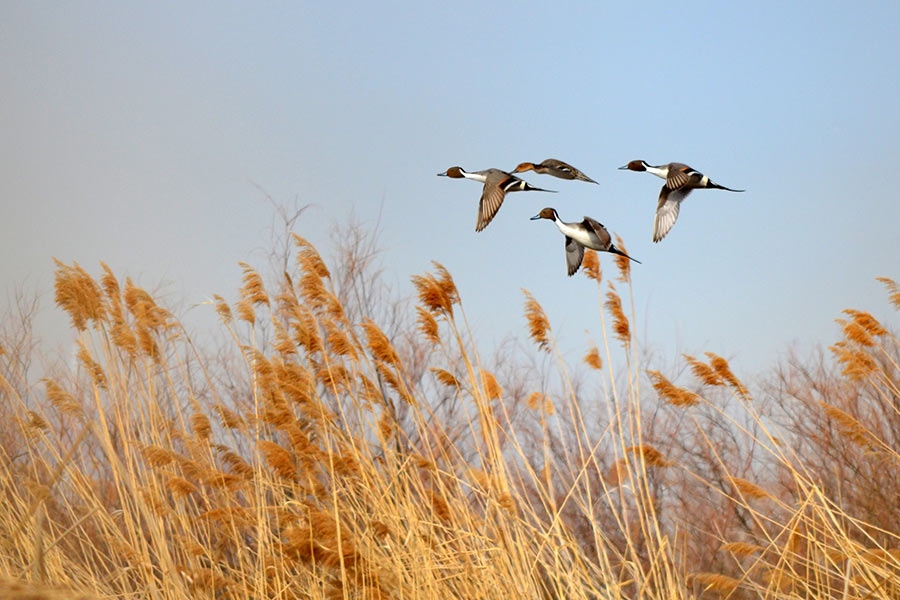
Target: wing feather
[
  {"x": 491, "y": 199},
  {"x": 599, "y": 230},
  {"x": 574, "y": 255},
  {"x": 667, "y": 210}
]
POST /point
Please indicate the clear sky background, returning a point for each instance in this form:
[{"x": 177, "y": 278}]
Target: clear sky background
[{"x": 141, "y": 134}]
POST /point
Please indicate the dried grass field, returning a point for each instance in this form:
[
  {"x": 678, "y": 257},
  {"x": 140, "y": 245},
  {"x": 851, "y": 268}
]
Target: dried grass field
[{"x": 341, "y": 444}]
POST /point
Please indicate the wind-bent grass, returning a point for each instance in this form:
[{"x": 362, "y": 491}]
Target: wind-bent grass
[{"x": 325, "y": 462}]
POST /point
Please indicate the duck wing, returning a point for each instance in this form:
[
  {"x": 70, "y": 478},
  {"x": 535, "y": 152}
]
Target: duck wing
[
  {"x": 667, "y": 210},
  {"x": 492, "y": 197},
  {"x": 603, "y": 237},
  {"x": 574, "y": 255},
  {"x": 681, "y": 175}
]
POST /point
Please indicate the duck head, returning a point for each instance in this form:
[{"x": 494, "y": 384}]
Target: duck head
[
  {"x": 635, "y": 165},
  {"x": 547, "y": 213},
  {"x": 454, "y": 172}
]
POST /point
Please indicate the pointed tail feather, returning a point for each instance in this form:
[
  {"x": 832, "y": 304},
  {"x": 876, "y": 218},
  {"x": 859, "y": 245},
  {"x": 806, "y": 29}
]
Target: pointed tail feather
[
  {"x": 615, "y": 250},
  {"x": 716, "y": 186}
]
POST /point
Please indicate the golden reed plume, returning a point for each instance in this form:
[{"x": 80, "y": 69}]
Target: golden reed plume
[
  {"x": 670, "y": 392},
  {"x": 620, "y": 321},
  {"x": 538, "y": 324},
  {"x": 592, "y": 359},
  {"x": 591, "y": 266}
]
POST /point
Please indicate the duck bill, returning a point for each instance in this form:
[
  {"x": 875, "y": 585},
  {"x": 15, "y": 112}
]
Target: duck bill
[
  {"x": 623, "y": 168},
  {"x": 535, "y": 218}
]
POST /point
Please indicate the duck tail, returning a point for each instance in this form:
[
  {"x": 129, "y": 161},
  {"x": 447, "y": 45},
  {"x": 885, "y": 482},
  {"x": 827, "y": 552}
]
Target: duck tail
[
  {"x": 531, "y": 188},
  {"x": 716, "y": 186},
  {"x": 615, "y": 250}
]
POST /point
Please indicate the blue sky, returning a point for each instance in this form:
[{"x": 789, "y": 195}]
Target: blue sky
[{"x": 141, "y": 134}]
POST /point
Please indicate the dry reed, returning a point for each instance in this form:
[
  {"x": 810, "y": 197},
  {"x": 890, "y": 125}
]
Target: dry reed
[
  {"x": 590, "y": 264},
  {"x": 319, "y": 459},
  {"x": 538, "y": 324},
  {"x": 621, "y": 327}
]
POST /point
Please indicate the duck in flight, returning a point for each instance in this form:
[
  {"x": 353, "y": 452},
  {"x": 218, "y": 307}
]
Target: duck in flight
[
  {"x": 496, "y": 185},
  {"x": 554, "y": 167},
  {"x": 587, "y": 234},
  {"x": 681, "y": 180}
]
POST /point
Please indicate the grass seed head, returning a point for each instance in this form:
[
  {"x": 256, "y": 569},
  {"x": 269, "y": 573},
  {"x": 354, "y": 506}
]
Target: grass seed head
[
  {"x": 157, "y": 456},
  {"x": 893, "y": 291},
  {"x": 253, "y": 289},
  {"x": 849, "y": 426},
  {"x": 651, "y": 455},
  {"x": 538, "y": 324},
  {"x": 222, "y": 308},
  {"x": 703, "y": 371},
  {"x": 147, "y": 314},
  {"x": 437, "y": 294},
  {"x": 180, "y": 487},
  {"x": 379, "y": 344},
  {"x": 858, "y": 364},
  {"x": 592, "y": 359},
  {"x": 229, "y": 418},
  {"x": 590, "y": 264},
  {"x": 428, "y": 325},
  {"x": 620, "y": 321},
  {"x": 741, "y": 549},
  {"x": 237, "y": 464},
  {"x": 715, "y": 582},
  {"x": 201, "y": 426},
  {"x": 309, "y": 259},
  {"x": 78, "y": 294},
  {"x": 541, "y": 402},
  {"x": 721, "y": 368},
  {"x": 749, "y": 489},
  {"x": 278, "y": 459},
  {"x": 338, "y": 341},
  {"x": 490, "y": 386},
  {"x": 445, "y": 377},
  {"x": 670, "y": 392},
  {"x": 62, "y": 400},
  {"x": 622, "y": 263},
  {"x": 865, "y": 320}
]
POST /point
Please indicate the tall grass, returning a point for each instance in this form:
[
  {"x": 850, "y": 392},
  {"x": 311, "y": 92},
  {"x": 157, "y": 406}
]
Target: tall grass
[{"x": 321, "y": 456}]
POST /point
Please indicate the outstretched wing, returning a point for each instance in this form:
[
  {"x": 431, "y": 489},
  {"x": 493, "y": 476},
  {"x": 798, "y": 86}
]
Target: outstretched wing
[
  {"x": 574, "y": 255},
  {"x": 667, "y": 210},
  {"x": 491, "y": 199}
]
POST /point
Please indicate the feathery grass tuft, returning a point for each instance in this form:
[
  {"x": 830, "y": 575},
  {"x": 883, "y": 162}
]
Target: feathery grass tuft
[
  {"x": 590, "y": 264},
  {"x": 620, "y": 322},
  {"x": 622, "y": 263},
  {"x": 893, "y": 290},
  {"x": 341, "y": 448},
  {"x": 538, "y": 324},
  {"x": 671, "y": 393},
  {"x": 78, "y": 294},
  {"x": 592, "y": 359}
]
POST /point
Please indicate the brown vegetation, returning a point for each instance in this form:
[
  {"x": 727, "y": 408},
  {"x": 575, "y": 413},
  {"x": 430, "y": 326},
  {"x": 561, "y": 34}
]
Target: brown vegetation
[{"x": 340, "y": 447}]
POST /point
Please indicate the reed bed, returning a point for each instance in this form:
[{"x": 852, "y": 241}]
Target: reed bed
[{"x": 319, "y": 455}]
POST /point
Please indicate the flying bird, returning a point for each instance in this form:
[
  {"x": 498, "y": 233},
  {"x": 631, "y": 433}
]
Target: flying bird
[
  {"x": 554, "y": 167},
  {"x": 680, "y": 181},
  {"x": 587, "y": 234},
  {"x": 496, "y": 185}
]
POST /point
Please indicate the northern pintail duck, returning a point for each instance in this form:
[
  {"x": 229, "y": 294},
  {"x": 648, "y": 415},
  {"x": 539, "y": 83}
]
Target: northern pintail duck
[
  {"x": 554, "y": 167},
  {"x": 496, "y": 184},
  {"x": 587, "y": 234},
  {"x": 680, "y": 181}
]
